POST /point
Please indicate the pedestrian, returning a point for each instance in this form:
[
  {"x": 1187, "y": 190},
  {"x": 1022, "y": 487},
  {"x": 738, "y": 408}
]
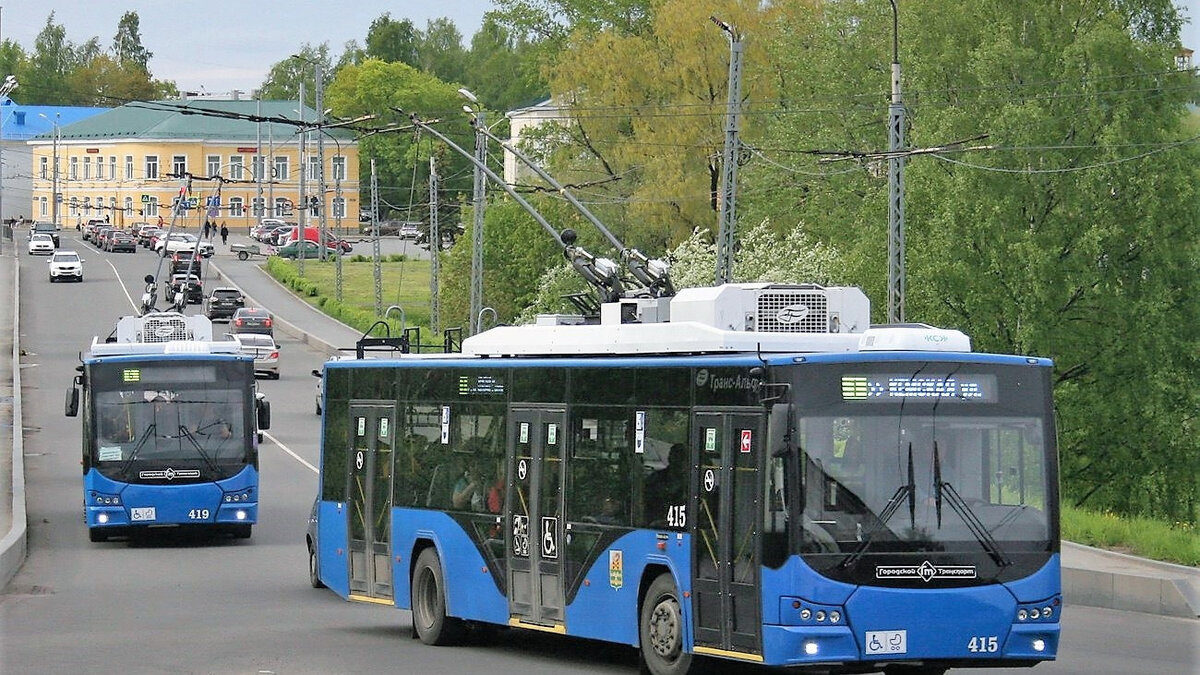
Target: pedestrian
[
  {"x": 224, "y": 234},
  {"x": 204, "y": 235}
]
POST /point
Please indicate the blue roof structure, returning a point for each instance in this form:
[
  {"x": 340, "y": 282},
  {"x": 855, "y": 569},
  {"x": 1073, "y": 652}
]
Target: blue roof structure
[{"x": 23, "y": 122}]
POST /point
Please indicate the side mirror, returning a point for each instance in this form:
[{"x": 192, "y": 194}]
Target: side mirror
[
  {"x": 316, "y": 373},
  {"x": 71, "y": 409},
  {"x": 264, "y": 414}
]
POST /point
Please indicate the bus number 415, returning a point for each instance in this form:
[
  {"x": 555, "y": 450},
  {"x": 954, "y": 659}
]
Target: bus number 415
[
  {"x": 677, "y": 516},
  {"x": 988, "y": 644}
]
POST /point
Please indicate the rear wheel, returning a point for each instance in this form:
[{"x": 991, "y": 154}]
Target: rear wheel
[
  {"x": 242, "y": 255},
  {"x": 429, "y": 618},
  {"x": 661, "y": 630}
]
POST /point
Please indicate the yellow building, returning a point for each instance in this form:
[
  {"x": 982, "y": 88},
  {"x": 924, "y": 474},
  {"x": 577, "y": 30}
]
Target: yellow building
[{"x": 130, "y": 164}]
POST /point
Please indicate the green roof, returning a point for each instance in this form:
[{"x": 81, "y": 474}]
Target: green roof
[{"x": 205, "y": 120}]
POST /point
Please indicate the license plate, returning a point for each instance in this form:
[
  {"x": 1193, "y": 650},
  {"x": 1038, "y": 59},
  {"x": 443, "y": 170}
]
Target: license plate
[{"x": 142, "y": 513}]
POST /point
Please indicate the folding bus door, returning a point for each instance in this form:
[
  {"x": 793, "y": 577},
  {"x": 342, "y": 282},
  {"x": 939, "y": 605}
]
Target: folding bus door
[
  {"x": 369, "y": 499},
  {"x": 725, "y": 588}
]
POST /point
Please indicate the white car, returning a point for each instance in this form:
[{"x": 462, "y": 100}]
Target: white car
[
  {"x": 65, "y": 265},
  {"x": 41, "y": 244},
  {"x": 182, "y": 242},
  {"x": 263, "y": 349}
]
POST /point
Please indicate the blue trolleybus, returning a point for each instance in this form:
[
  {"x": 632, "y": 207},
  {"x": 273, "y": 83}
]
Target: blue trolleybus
[
  {"x": 763, "y": 478},
  {"x": 169, "y": 429}
]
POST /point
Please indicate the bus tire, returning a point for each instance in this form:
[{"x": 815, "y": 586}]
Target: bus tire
[
  {"x": 241, "y": 531},
  {"x": 96, "y": 534},
  {"x": 661, "y": 630},
  {"x": 429, "y": 619},
  {"x": 314, "y": 574}
]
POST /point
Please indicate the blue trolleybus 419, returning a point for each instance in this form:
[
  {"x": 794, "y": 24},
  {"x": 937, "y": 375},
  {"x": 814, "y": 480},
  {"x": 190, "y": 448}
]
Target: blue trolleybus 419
[
  {"x": 170, "y": 422},
  {"x": 762, "y": 478}
]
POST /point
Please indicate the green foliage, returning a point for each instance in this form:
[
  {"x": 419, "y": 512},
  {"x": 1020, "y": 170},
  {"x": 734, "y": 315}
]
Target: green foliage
[{"x": 1175, "y": 542}]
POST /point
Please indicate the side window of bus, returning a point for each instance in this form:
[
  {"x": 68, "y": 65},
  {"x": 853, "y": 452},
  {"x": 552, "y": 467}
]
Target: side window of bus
[
  {"x": 666, "y": 468},
  {"x": 337, "y": 450},
  {"x": 599, "y": 490}
]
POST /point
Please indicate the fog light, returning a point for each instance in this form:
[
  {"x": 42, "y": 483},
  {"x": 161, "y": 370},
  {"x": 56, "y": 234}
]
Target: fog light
[
  {"x": 810, "y": 648},
  {"x": 240, "y": 515},
  {"x": 102, "y": 518},
  {"x": 1039, "y": 645}
]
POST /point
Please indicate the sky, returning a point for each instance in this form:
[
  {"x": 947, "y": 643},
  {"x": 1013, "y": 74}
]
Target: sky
[{"x": 221, "y": 45}]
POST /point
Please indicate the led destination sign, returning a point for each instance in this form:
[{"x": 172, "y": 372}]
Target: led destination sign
[{"x": 970, "y": 388}]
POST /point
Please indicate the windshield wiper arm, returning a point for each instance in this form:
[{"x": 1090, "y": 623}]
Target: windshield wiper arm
[
  {"x": 199, "y": 450},
  {"x": 976, "y": 526},
  {"x": 905, "y": 490},
  {"x": 136, "y": 449}
]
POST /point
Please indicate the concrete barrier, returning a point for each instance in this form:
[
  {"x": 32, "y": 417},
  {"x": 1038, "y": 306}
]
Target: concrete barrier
[{"x": 14, "y": 545}]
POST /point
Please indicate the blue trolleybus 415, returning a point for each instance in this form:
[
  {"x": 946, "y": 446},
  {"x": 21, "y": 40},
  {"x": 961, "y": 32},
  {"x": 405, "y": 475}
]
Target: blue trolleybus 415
[
  {"x": 170, "y": 422},
  {"x": 764, "y": 478}
]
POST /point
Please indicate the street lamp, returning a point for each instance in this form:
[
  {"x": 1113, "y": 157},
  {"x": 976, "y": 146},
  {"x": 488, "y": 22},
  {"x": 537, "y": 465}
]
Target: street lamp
[
  {"x": 54, "y": 183},
  {"x": 477, "y": 206},
  {"x": 6, "y": 87}
]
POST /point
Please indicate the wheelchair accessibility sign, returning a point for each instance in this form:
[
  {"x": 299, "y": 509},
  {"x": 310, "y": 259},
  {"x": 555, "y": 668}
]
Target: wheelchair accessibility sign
[{"x": 889, "y": 642}]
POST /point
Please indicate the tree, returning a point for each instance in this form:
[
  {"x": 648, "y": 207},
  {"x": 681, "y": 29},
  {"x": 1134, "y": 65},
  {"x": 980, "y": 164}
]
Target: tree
[
  {"x": 440, "y": 51},
  {"x": 127, "y": 44},
  {"x": 503, "y": 70},
  {"x": 392, "y": 41},
  {"x": 284, "y": 78},
  {"x": 51, "y": 61}
]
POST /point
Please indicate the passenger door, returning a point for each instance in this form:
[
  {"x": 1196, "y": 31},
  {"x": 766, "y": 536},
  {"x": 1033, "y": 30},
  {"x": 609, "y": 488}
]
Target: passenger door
[
  {"x": 533, "y": 541},
  {"x": 725, "y": 551},
  {"x": 369, "y": 490}
]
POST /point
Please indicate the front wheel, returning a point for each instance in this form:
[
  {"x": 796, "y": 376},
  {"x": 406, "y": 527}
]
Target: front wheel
[
  {"x": 429, "y": 618},
  {"x": 661, "y": 630},
  {"x": 242, "y": 255},
  {"x": 314, "y": 575}
]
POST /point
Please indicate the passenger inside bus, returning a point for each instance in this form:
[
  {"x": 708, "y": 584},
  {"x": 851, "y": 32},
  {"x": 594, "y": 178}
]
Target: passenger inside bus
[{"x": 468, "y": 490}]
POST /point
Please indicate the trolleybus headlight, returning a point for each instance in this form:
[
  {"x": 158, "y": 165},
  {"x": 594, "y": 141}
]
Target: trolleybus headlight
[
  {"x": 1022, "y": 614},
  {"x": 1039, "y": 645},
  {"x": 806, "y": 614},
  {"x": 240, "y": 515},
  {"x": 1035, "y": 614},
  {"x": 1046, "y": 612},
  {"x": 835, "y": 616},
  {"x": 810, "y": 648},
  {"x": 820, "y": 615},
  {"x": 102, "y": 518}
]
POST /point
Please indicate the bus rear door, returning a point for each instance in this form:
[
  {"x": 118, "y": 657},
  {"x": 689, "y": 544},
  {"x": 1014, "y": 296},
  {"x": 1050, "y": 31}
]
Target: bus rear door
[
  {"x": 369, "y": 490},
  {"x": 725, "y": 586},
  {"x": 535, "y": 527}
]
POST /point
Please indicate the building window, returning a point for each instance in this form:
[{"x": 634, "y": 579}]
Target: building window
[
  {"x": 235, "y": 167},
  {"x": 339, "y": 168},
  {"x": 45, "y": 204},
  {"x": 87, "y": 206},
  {"x": 179, "y": 165},
  {"x": 258, "y": 207},
  {"x": 283, "y": 207},
  {"x": 236, "y": 207},
  {"x": 112, "y": 205},
  {"x": 128, "y": 167},
  {"x": 74, "y": 168},
  {"x": 87, "y": 168},
  {"x": 151, "y": 167},
  {"x": 314, "y": 168},
  {"x": 281, "y": 168},
  {"x": 151, "y": 207},
  {"x": 257, "y": 168},
  {"x": 214, "y": 165},
  {"x": 112, "y": 168},
  {"x": 339, "y": 207},
  {"x": 129, "y": 207},
  {"x": 45, "y": 167}
]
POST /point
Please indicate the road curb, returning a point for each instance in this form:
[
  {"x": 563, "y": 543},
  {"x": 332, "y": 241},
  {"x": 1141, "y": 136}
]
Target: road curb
[{"x": 14, "y": 545}]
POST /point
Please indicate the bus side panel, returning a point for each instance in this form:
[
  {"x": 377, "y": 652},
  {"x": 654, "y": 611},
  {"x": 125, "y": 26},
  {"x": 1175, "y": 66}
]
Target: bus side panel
[
  {"x": 332, "y": 544},
  {"x": 471, "y": 591},
  {"x": 606, "y": 605},
  {"x": 187, "y": 504}
]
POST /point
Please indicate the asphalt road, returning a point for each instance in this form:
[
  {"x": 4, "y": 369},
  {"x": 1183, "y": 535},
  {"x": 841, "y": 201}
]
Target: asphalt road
[{"x": 245, "y": 606}]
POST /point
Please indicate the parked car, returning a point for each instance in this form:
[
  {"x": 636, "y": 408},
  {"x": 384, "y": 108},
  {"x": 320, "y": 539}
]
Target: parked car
[
  {"x": 263, "y": 349},
  {"x": 182, "y": 242},
  {"x": 185, "y": 261},
  {"x": 309, "y": 249},
  {"x": 145, "y": 233},
  {"x": 65, "y": 265},
  {"x": 100, "y": 238},
  {"x": 188, "y": 284},
  {"x": 41, "y": 244},
  {"x": 410, "y": 230},
  {"x": 252, "y": 320},
  {"x": 47, "y": 228},
  {"x": 222, "y": 302},
  {"x": 120, "y": 240}
]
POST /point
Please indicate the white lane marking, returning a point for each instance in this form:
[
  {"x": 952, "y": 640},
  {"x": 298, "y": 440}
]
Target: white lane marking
[
  {"x": 289, "y": 451},
  {"x": 133, "y": 304}
]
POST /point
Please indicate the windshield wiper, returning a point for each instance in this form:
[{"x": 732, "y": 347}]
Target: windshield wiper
[
  {"x": 183, "y": 431},
  {"x": 960, "y": 506},
  {"x": 905, "y": 490},
  {"x": 136, "y": 449}
]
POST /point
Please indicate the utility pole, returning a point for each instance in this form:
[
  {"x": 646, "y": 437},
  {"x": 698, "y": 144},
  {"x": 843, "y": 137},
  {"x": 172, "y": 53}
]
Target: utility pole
[
  {"x": 337, "y": 217},
  {"x": 896, "y": 163},
  {"x": 301, "y": 200},
  {"x": 477, "y": 201},
  {"x": 258, "y": 156},
  {"x": 6, "y": 88},
  {"x": 730, "y": 157},
  {"x": 375, "y": 243},
  {"x": 435, "y": 247},
  {"x": 321, "y": 219}
]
